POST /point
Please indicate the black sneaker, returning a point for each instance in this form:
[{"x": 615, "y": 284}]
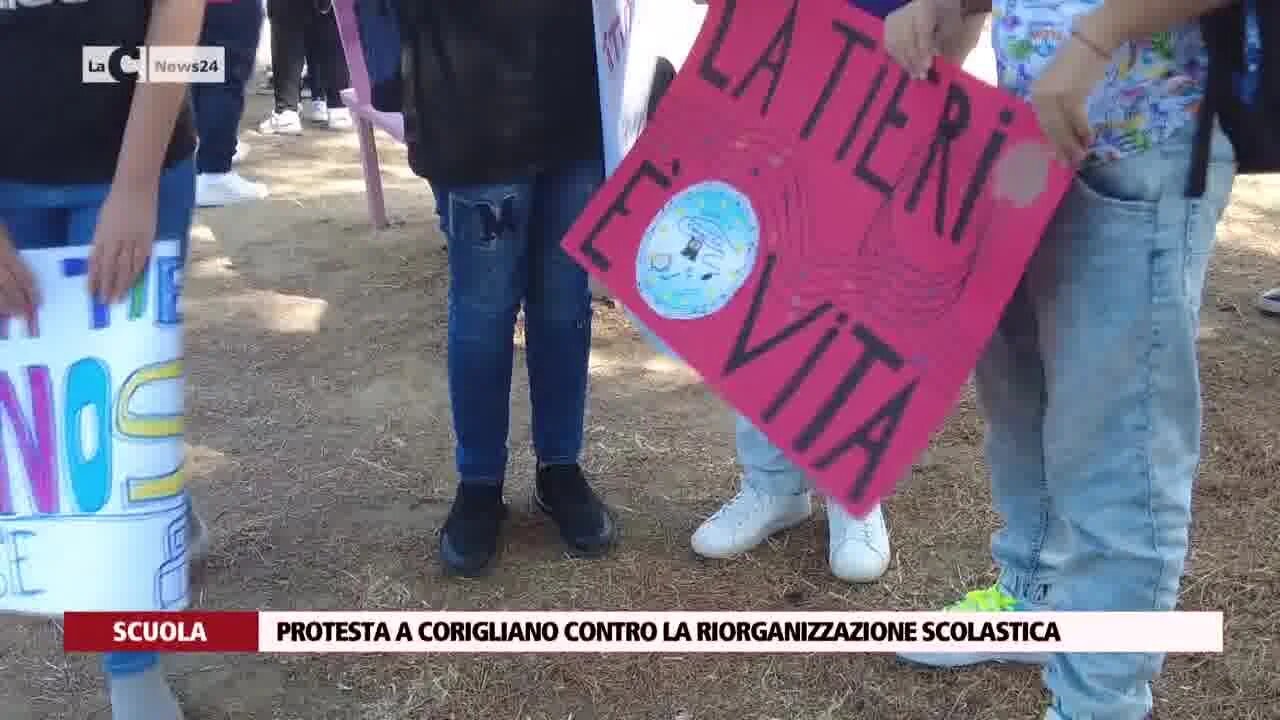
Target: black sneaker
[
  {"x": 586, "y": 525},
  {"x": 469, "y": 539}
]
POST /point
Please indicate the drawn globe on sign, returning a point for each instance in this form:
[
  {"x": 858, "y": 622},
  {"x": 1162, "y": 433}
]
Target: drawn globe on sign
[{"x": 698, "y": 251}]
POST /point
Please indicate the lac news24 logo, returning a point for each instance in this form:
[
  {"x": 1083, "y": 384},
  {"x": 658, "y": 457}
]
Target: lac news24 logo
[{"x": 188, "y": 64}]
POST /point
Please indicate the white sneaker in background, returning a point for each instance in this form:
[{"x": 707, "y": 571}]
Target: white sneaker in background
[
  {"x": 286, "y": 122},
  {"x": 229, "y": 188},
  {"x": 748, "y": 520},
  {"x": 340, "y": 119},
  {"x": 859, "y": 548},
  {"x": 314, "y": 111},
  {"x": 242, "y": 151}
]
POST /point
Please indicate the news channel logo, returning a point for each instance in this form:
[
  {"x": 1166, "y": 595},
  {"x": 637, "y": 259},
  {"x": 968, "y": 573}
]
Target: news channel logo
[{"x": 177, "y": 64}]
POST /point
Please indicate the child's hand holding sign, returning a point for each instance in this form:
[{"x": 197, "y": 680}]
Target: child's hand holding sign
[
  {"x": 122, "y": 240},
  {"x": 18, "y": 292}
]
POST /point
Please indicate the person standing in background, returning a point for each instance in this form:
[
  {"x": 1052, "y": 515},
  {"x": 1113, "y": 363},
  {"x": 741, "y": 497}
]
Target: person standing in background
[
  {"x": 1090, "y": 385},
  {"x": 236, "y": 26},
  {"x": 775, "y": 494},
  {"x": 115, "y": 178},
  {"x": 502, "y": 117},
  {"x": 296, "y": 26}
]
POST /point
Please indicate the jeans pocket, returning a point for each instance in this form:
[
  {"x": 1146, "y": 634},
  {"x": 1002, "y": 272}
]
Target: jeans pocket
[
  {"x": 479, "y": 219},
  {"x": 1117, "y": 189}
]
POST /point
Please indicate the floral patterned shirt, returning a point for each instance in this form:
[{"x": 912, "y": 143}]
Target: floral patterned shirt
[{"x": 1152, "y": 89}]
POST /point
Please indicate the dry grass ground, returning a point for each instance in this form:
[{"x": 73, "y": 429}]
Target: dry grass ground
[{"x": 320, "y": 448}]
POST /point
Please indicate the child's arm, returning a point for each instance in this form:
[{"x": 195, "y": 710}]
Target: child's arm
[
  {"x": 1116, "y": 22},
  {"x": 127, "y": 223},
  {"x": 156, "y": 105}
]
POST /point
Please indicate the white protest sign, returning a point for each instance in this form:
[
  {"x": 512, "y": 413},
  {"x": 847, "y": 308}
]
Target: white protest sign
[
  {"x": 92, "y": 492},
  {"x": 631, "y": 36}
]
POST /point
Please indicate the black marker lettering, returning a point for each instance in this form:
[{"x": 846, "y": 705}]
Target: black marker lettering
[
  {"x": 618, "y": 208},
  {"x": 852, "y": 37},
  {"x": 708, "y": 70},
  {"x": 889, "y": 416},
  {"x": 741, "y": 354},
  {"x": 771, "y": 60},
  {"x": 874, "y": 350},
  {"x": 876, "y": 83},
  {"x": 988, "y": 160},
  {"x": 892, "y": 117},
  {"x": 954, "y": 121},
  {"x": 788, "y": 390}
]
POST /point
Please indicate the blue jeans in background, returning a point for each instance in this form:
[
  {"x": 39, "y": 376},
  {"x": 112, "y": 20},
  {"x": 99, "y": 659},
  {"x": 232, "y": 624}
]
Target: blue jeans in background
[
  {"x": 1091, "y": 392},
  {"x": 504, "y": 252},
  {"x": 218, "y": 107},
  {"x": 53, "y": 216}
]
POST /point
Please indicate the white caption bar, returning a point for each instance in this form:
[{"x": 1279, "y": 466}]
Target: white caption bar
[{"x": 737, "y": 632}]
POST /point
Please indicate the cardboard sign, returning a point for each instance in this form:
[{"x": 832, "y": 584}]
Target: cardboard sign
[
  {"x": 92, "y": 496},
  {"x": 827, "y": 241},
  {"x": 636, "y": 42}
]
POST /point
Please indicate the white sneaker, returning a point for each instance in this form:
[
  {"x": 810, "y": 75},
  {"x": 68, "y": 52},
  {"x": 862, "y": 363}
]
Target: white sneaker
[
  {"x": 340, "y": 119},
  {"x": 217, "y": 189},
  {"x": 859, "y": 548},
  {"x": 242, "y": 151},
  {"x": 748, "y": 520},
  {"x": 286, "y": 122},
  {"x": 314, "y": 111}
]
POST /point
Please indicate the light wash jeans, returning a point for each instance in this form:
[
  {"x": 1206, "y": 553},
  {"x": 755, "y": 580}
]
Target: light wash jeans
[
  {"x": 765, "y": 468},
  {"x": 1091, "y": 392}
]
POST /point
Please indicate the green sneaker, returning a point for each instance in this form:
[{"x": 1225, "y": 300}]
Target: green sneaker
[{"x": 987, "y": 600}]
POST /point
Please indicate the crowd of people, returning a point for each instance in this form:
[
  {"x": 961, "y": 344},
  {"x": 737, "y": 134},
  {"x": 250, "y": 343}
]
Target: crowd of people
[
  {"x": 1094, "y": 488},
  {"x": 303, "y": 34}
]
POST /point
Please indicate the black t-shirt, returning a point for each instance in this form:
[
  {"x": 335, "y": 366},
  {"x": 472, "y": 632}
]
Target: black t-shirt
[
  {"x": 496, "y": 89},
  {"x": 55, "y": 128}
]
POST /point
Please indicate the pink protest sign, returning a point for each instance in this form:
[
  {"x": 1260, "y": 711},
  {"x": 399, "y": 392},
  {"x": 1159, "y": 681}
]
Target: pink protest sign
[{"x": 827, "y": 241}]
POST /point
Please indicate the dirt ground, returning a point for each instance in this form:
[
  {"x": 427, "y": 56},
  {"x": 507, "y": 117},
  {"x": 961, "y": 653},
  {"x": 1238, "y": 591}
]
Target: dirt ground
[{"x": 320, "y": 450}]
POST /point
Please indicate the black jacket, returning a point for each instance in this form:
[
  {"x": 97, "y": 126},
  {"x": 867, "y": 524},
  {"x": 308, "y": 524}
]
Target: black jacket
[
  {"x": 498, "y": 89},
  {"x": 56, "y": 129}
]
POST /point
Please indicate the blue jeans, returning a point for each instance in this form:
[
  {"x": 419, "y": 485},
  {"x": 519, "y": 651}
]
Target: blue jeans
[
  {"x": 218, "y": 107},
  {"x": 504, "y": 251},
  {"x": 1091, "y": 393},
  {"x": 53, "y": 216},
  {"x": 765, "y": 468}
]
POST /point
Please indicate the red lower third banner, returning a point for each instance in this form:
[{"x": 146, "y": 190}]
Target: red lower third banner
[{"x": 157, "y": 631}]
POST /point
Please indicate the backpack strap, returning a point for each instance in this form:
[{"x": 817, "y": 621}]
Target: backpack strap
[
  {"x": 1202, "y": 145},
  {"x": 1221, "y": 31}
]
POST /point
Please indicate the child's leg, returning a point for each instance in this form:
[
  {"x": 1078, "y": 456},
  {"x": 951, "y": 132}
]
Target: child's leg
[
  {"x": 219, "y": 106},
  {"x": 331, "y": 63},
  {"x": 288, "y": 20},
  {"x": 137, "y": 687}
]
